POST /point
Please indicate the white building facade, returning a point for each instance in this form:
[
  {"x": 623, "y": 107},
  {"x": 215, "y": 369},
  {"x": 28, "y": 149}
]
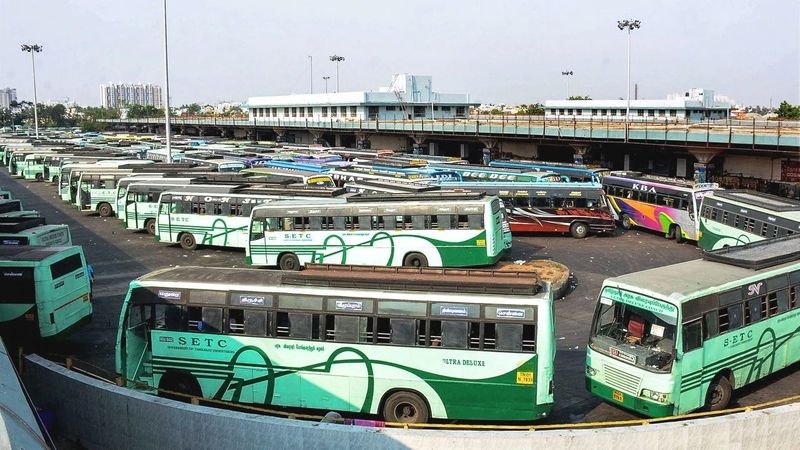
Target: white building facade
[
  {"x": 117, "y": 95},
  {"x": 408, "y": 97},
  {"x": 694, "y": 105},
  {"x": 7, "y": 96}
]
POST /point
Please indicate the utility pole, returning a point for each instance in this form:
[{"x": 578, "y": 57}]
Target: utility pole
[
  {"x": 337, "y": 59},
  {"x": 166, "y": 87},
  {"x": 630, "y": 25},
  {"x": 34, "y": 48}
]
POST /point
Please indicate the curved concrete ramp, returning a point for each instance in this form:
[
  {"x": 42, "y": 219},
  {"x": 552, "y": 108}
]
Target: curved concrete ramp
[{"x": 101, "y": 416}]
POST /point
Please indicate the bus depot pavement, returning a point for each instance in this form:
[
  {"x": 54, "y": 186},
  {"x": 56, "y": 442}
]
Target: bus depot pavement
[{"x": 118, "y": 256}]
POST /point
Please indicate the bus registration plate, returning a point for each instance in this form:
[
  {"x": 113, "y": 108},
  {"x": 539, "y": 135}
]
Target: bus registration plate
[{"x": 618, "y": 396}]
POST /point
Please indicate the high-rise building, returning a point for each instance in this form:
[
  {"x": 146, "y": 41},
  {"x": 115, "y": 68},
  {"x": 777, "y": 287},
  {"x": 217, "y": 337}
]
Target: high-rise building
[
  {"x": 7, "y": 96},
  {"x": 117, "y": 95}
]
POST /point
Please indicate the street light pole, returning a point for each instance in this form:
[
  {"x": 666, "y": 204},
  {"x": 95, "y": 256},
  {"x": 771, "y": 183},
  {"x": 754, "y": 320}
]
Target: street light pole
[
  {"x": 34, "y": 48},
  {"x": 311, "y": 70},
  {"x": 337, "y": 59},
  {"x": 567, "y": 74},
  {"x": 166, "y": 88},
  {"x": 326, "y": 83},
  {"x": 630, "y": 25}
]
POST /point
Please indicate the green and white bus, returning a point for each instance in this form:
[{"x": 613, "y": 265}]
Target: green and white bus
[
  {"x": 70, "y": 174},
  {"x": 407, "y": 344},
  {"x": 46, "y": 290},
  {"x": 219, "y": 216},
  {"x": 32, "y": 231},
  {"x": 438, "y": 229},
  {"x": 738, "y": 217},
  {"x": 13, "y": 208},
  {"x": 124, "y": 184},
  {"x": 670, "y": 340}
]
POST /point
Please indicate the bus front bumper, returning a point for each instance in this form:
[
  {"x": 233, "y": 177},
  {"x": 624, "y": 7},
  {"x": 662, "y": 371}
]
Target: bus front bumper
[{"x": 633, "y": 403}]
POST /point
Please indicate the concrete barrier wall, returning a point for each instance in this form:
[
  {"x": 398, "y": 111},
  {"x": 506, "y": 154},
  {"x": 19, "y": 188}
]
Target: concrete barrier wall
[{"x": 103, "y": 416}]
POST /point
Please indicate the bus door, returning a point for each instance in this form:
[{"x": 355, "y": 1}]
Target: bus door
[
  {"x": 689, "y": 367},
  {"x": 136, "y": 340}
]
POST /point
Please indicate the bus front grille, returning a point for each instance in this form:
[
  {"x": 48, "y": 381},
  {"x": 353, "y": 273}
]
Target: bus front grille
[{"x": 625, "y": 382}]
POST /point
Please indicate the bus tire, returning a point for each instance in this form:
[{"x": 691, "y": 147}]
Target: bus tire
[
  {"x": 150, "y": 226},
  {"x": 719, "y": 394},
  {"x": 676, "y": 233},
  {"x": 54, "y": 179},
  {"x": 625, "y": 221},
  {"x": 288, "y": 261},
  {"x": 579, "y": 230},
  {"x": 187, "y": 241},
  {"x": 415, "y": 260},
  {"x": 179, "y": 382},
  {"x": 39, "y": 177},
  {"x": 104, "y": 209},
  {"x": 405, "y": 407}
]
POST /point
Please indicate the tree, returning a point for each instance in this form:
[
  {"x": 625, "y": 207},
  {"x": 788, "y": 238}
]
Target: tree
[
  {"x": 788, "y": 111},
  {"x": 141, "y": 111},
  {"x": 579, "y": 97},
  {"x": 535, "y": 109},
  {"x": 192, "y": 109}
]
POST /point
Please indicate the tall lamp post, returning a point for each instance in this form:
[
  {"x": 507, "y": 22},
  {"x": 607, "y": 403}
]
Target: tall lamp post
[
  {"x": 337, "y": 59},
  {"x": 630, "y": 25},
  {"x": 326, "y": 83},
  {"x": 566, "y": 74},
  {"x": 34, "y": 48},
  {"x": 166, "y": 88},
  {"x": 311, "y": 70}
]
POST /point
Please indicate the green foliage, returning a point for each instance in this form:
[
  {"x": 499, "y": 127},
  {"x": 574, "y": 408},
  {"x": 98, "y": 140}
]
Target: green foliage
[
  {"x": 140, "y": 111},
  {"x": 534, "y": 109},
  {"x": 192, "y": 109},
  {"x": 788, "y": 111},
  {"x": 579, "y": 97}
]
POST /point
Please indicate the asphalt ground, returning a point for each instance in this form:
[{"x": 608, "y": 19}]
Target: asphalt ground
[{"x": 118, "y": 256}]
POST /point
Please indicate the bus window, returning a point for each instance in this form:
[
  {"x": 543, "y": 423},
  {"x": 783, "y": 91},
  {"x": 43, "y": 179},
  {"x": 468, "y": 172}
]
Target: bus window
[
  {"x": 475, "y": 221},
  {"x": 692, "y": 335},
  {"x": 66, "y": 266},
  {"x": 257, "y": 230},
  {"x": 18, "y": 285},
  {"x": 351, "y": 329},
  {"x": 711, "y": 324},
  {"x": 167, "y": 317},
  {"x": 730, "y": 318},
  {"x": 755, "y": 309},
  {"x": 508, "y": 337},
  {"x": 397, "y": 331}
]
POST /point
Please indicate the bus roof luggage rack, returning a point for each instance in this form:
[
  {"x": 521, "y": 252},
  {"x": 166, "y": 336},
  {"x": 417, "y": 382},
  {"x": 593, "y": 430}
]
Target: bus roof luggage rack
[
  {"x": 478, "y": 281},
  {"x": 758, "y": 255},
  {"x": 755, "y": 198},
  {"x": 17, "y": 224},
  {"x": 407, "y": 197},
  {"x": 296, "y": 189},
  {"x": 409, "y": 186}
]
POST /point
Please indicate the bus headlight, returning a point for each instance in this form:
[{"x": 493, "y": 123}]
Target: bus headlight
[
  {"x": 591, "y": 371},
  {"x": 655, "y": 396}
]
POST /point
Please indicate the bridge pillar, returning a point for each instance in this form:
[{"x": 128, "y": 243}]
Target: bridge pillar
[
  {"x": 280, "y": 134},
  {"x": 489, "y": 149},
  {"x": 317, "y": 137},
  {"x": 580, "y": 152},
  {"x": 417, "y": 140},
  {"x": 463, "y": 151},
  {"x": 704, "y": 155},
  {"x": 362, "y": 140},
  {"x": 225, "y": 132},
  {"x": 337, "y": 140}
]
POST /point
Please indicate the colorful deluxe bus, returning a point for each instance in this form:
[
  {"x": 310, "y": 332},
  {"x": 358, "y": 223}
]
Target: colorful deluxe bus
[
  {"x": 670, "y": 340},
  {"x": 436, "y": 229},
  {"x": 666, "y": 205},
  {"x": 571, "y": 172},
  {"x": 219, "y": 215},
  {"x": 737, "y": 217},
  {"x": 46, "y": 290},
  {"x": 565, "y": 207},
  {"x": 408, "y": 345},
  {"x": 32, "y": 231},
  {"x": 471, "y": 173}
]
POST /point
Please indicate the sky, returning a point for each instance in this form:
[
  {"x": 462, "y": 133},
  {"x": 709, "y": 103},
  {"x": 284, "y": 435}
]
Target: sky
[{"x": 498, "y": 52}]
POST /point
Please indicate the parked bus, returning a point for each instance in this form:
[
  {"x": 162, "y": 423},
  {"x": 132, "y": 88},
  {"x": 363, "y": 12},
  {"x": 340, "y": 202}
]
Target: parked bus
[
  {"x": 33, "y": 166},
  {"x": 13, "y": 208},
  {"x": 572, "y": 172},
  {"x": 219, "y": 216},
  {"x": 574, "y": 208},
  {"x": 670, "y": 340},
  {"x": 411, "y": 344},
  {"x": 70, "y": 174},
  {"x": 482, "y": 173},
  {"x": 215, "y": 163},
  {"x": 391, "y": 186},
  {"x": 46, "y": 290},
  {"x": 346, "y": 175},
  {"x": 404, "y": 167},
  {"x": 5, "y": 194},
  {"x": 321, "y": 180},
  {"x": 435, "y": 229},
  {"x": 729, "y": 218},
  {"x": 32, "y": 231},
  {"x": 666, "y": 205}
]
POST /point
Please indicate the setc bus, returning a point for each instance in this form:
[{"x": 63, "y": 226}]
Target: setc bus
[
  {"x": 572, "y": 172},
  {"x": 32, "y": 231},
  {"x": 666, "y": 205},
  {"x": 308, "y": 178},
  {"x": 13, "y": 208},
  {"x": 437, "y": 229},
  {"x": 46, "y": 290},
  {"x": 670, "y": 340},
  {"x": 409, "y": 345},
  {"x": 730, "y": 218},
  {"x": 70, "y": 174},
  {"x": 565, "y": 207},
  {"x": 215, "y": 163},
  {"x": 153, "y": 179},
  {"x": 219, "y": 215}
]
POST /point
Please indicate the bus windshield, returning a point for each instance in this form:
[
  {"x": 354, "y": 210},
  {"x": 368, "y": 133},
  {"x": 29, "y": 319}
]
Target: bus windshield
[{"x": 635, "y": 328}]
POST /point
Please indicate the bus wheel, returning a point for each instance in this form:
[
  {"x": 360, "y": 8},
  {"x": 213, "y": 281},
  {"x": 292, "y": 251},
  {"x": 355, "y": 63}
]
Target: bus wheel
[
  {"x": 188, "y": 242},
  {"x": 54, "y": 180},
  {"x": 405, "y": 407},
  {"x": 104, "y": 210},
  {"x": 677, "y": 233},
  {"x": 39, "y": 177},
  {"x": 289, "y": 261},
  {"x": 415, "y": 260},
  {"x": 579, "y": 230},
  {"x": 625, "y": 220},
  {"x": 179, "y": 383},
  {"x": 150, "y": 226},
  {"x": 719, "y": 394}
]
